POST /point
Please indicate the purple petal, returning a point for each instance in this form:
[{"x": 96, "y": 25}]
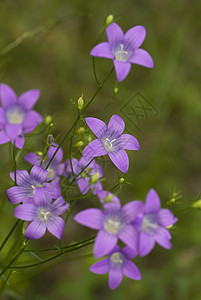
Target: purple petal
[
  {"x": 135, "y": 36},
  {"x": 94, "y": 149},
  {"x": 115, "y": 278},
  {"x": 166, "y": 218},
  {"x": 83, "y": 185},
  {"x": 35, "y": 230},
  {"x": 120, "y": 160},
  {"x": 115, "y": 34},
  {"x": 60, "y": 206},
  {"x": 75, "y": 164},
  {"x": 91, "y": 218},
  {"x": 2, "y": 118},
  {"x": 8, "y": 96},
  {"x": 31, "y": 120},
  {"x": 146, "y": 243},
  {"x": 131, "y": 270},
  {"x": 22, "y": 177},
  {"x": 58, "y": 157},
  {"x": 19, "y": 142},
  {"x": 122, "y": 69},
  {"x": 116, "y": 125},
  {"x": 131, "y": 209},
  {"x": 128, "y": 142},
  {"x": 56, "y": 226},
  {"x": 102, "y": 50},
  {"x": 142, "y": 57},
  {"x": 60, "y": 169},
  {"x": 129, "y": 236},
  {"x": 17, "y": 194},
  {"x": 42, "y": 197},
  {"x": 28, "y": 99},
  {"x": 97, "y": 126},
  {"x": 162, "y": 237},
  {"x": 4, "y": 138},
  {"x": 32, "y": 158},
  {"x": 25, "y": 212},
  {"x": 39, "y": 174},
  {"x": 13, "y": 130},
  {"x": 152, "y": 204},
  {"x": 129, "y": 252},
  {"x": 113, "y": 198},
  {"x": 104, "y": 243},
  {"x": 101, "y": 267}
]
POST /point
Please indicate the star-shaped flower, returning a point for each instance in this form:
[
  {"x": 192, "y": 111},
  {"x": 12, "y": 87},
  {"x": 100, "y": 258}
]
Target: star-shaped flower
[
  {"x": 111, "y": 141},
  {"x": 124, "y": 49}
]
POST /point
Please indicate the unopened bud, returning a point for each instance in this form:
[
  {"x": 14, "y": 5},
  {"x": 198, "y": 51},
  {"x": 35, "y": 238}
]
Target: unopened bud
[
  {"x": 89, "y": 138},
  {"x": 24, "y": 227},
  {"x": 79, "y": 144},
  {"x": 121, "y": 180},
  {"x": 197, "y": 204},
  {"x": 109, "y": 20},
  {"x": 169, "y": 227},
  {"x": 39, "y": 153},
  {"x": 80, "y": 103},
  {"x": 81, "y": 130},
  {"x": 94, "y": 178},
  {"x": 50, "y": 139},
  {"x": 116, "y": 90},
  {"x": 51, "y": 125},
  {"x": 48, "y": 120}
]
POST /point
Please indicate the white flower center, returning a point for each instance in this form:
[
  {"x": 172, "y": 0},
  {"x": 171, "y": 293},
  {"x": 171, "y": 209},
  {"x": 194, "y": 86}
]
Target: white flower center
[
  {"x": 113, "y": 224},
  {"x": 50, "y": 173},
  {"x": 121, "y": 54},
  {"x": 108, "y": 144},
  {"x": 15, "y": 115},
  {"x": 149, "y": 224},
  {"x": 116, "y": 258},
  {"x": 43, "y": 215},
  {"x": 86, "y": 173}
]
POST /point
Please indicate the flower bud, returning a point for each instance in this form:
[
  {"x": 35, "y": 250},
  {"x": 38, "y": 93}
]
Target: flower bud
[
  {"x": 50, "y": 139},
  {"x": 80, "y": 103},
  {"x": 116, "y": 90},
  {"x": 79, "y": 144},
  {"x": 24, "y": 227},
  {"x": 108, "y": 198},
  {"x": 48, "y": 120},
  {"x": 197, "y": 204},
  {"x": 121, "y": 180},
  {"x": 81, "y": 130},
  {"x": 109, "y": 20},
  {"x": 39, "y": 153}
]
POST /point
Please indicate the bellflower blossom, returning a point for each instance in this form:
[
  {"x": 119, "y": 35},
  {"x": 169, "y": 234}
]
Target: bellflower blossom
[
  {"x": 118, "y": 263},
  {"x": 43, "y": 214},
  {"x": 56, "y": 168},
  {"x": 111, "y": 141},
  {"x": 16, "y": 115},
  {"x": 113, "y": 223},
  {"x": 28, "y": 186},
  {"x": 124, "y": 49},
  {"x": 152, "y": 222},
  {"x": 89, "y": 178},
  {"x": 106, "y": 198}
]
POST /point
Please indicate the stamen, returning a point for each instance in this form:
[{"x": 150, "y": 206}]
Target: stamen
[
  {"x": 149, "y": 224},
  {"x": 121, "y": 55},
  {"x": 44, "y": 215},
  {"x": 15, "y": 115},
  {"x": 108, "y": 144},
  {"x": 117, "y": 258},
  {"x": 113, "y": 225}
]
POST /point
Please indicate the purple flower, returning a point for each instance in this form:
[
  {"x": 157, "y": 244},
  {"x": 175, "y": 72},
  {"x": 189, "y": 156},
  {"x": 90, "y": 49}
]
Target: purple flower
[
  {"x": 111, "y": 141},
  {"x": 124, "y": 49},
  {"x": 106, "y": 198},
  {"x": 56, "y": 168},
  {"x": 43, "y": 214},
  {"x": 113, "y": 223},
  {"x": 28, "y": 186},
  {"x": 152, "y": 222},
  {"x": 89, "y": 178},
  {"x": 118, "y": 263},
  {"x": 16, "y": 116}
]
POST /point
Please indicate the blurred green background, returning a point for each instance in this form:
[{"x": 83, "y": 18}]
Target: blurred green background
[{"x": 45, "y": 44}]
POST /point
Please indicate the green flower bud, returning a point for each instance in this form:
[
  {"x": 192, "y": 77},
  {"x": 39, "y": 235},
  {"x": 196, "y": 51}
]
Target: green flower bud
[
  {"x": 116, "y": 90},
  {"x": 81, "y": 130},
  {"x": 197, "y": 204},
  {"x": 79, "y": 144},
  {"x": 108, "y": 198},
  {"x": 24, "y": 227},
  {"x": 80, "y": 103},
  {"x": 39, "y": 153},
  {"x": 94, "y": 178},
  {"x": 109, "y": 20},
  {"x": 121, "y": 180},
  {"x": 48, "y": 120},
  {"x": 50, "y": 139}
]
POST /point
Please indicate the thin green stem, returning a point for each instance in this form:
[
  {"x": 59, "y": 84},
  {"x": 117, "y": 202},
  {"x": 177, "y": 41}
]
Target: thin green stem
[
  {"x": 14, "y": 163},
  {"x": 9, "y": 234},
  {"x": 71, "y": 144}
]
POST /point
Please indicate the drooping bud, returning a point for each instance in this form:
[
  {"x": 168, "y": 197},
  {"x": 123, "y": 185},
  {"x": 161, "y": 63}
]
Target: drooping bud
[
  {"x": 80, "y": 103},
  {"x": 50, "y": 139},
  {"x": 109, "y": 20}
]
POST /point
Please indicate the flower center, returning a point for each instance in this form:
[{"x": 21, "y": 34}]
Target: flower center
[
  {"x": 50, "y": 173},
  {"x": 113, "y": 224},
  {"x": 149, "y": 224},
  {"x": 107, "y": 143},
  {"x": 43, "y": 215},
  {"x": 15, "y": 115},
  {"x": 116, "y": 259},
  {"x": 86, "y": 173},
  {"x": 121, "y": 54}
]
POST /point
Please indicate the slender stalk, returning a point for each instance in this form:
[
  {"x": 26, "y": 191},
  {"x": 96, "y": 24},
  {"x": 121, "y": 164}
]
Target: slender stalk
[
  {"x": 9, "y": 234},
  {"x": 71, "y": 144},
  {"x": 14, "y": 163}
]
